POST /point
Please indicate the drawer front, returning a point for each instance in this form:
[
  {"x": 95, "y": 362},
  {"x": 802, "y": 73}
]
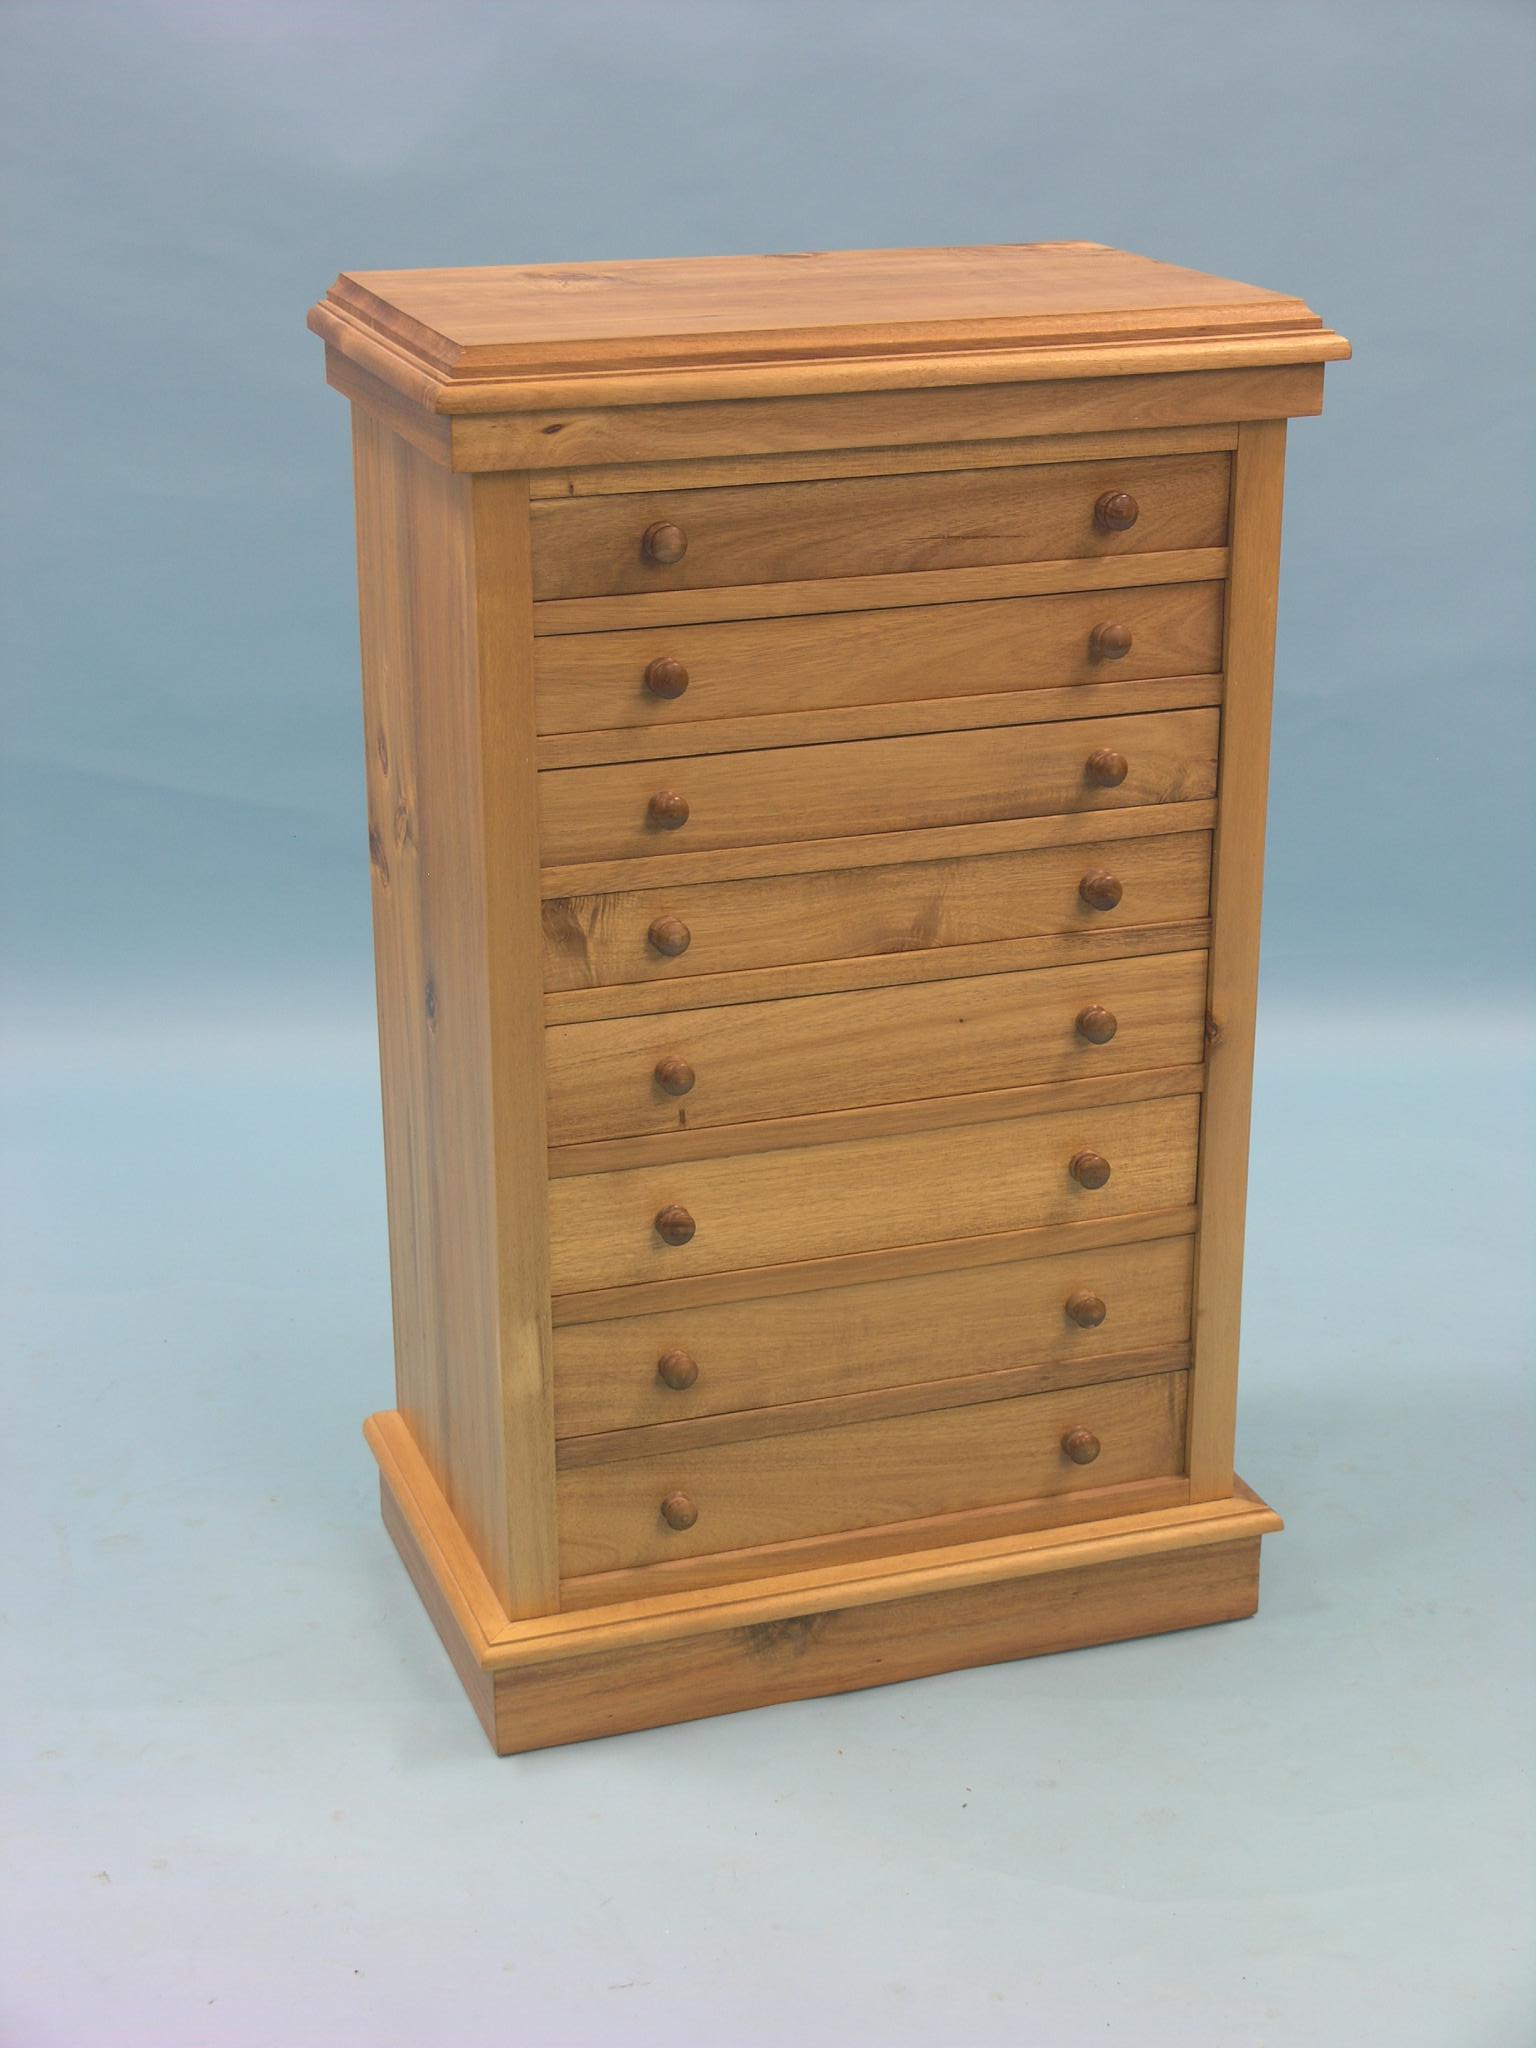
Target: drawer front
[
  {"x": 702, "y": 801},
  {"x": 874, "y": 526},
  {"x": 770, "y": 1351},
  {"x": 584, "y": 682},
  {"x": 818, "y": 1482},
  {"x": 851, "y": 913},
  {"x": 818, "y": 1201},
  {"x": 690, "y": 1068}
]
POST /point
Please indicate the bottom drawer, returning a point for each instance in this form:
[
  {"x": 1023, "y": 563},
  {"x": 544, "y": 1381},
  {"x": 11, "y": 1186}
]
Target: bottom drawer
[{"x": 821, "y": 1482}]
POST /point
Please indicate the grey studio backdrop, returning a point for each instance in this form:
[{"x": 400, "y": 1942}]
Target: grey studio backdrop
[{"x": 247, "y": 1801}]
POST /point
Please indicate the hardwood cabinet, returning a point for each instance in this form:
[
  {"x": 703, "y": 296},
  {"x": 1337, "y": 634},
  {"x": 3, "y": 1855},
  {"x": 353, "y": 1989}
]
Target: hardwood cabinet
[{"x": 817, "y": 718}]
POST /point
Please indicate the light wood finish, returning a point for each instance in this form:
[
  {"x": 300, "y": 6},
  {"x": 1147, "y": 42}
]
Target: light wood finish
[
  {"x": 861, "y": 1268},
  {"x": 873, "y": 849},
  {"x": 852, "y": 1550},
  {"x": 687, "y": 1653},
  {"x": 1104, "y": 940},
  {"x": 755, "y": 799},
  {"x": 1104, "y": 699},
  {"x": 678, "y": 1147},
  {"x": 990, "y": 405},
  {"x": 466, "y": 342},
  {"x": 463, "y": 1640},
  {"x": 816, "y": 1135},
  {"x": 875, "y": 526},
  {"x": 450, "y": 830},
  {"x": 854, "y": 1339},
  {"x": 530, "y": 320},
  {"x": 845, "y": 1650},
  {"x": 787, "y": 667},
  {"x": 387, "y": 406},
  {"x": 861, "y": 1475},
  {"x": 1237, "y": 886},
  {"x": 938, "y": 1038},
  {"x": 670, "y": 1612},
  {"x": 596, "y": 480},
  {"x": 665, "y": 610},
  {"x": 840, "y": 1411},
  {"x": 570, "y": 400},
  {"x": 755, "y": 1209}
]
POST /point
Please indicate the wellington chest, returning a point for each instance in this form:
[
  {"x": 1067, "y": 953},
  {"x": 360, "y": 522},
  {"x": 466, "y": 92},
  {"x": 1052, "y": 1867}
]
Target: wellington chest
[{"x": 817, "y": 717}]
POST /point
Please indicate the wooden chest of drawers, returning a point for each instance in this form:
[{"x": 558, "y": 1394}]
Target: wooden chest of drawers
[{"x": 817, "y": 721}]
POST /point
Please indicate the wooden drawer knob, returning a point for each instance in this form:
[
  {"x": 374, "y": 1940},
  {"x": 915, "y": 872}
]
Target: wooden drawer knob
[
  {"x": 1116, "y": 512},
  {"x": 667, "y": 809},
  {"x": 675, "y": 1226},
  {"x": 1109, "y": 643},
  {"x": 674, "y": 1075},
  {"x": 1105, "y": 767},
  {"x": 1085, "y": 1309},
  {"x": 665, "y": 543},
  {"x": 1097, "y": 1024},
  {"x": 666, "y": 677},
  {"x": 1099, "y": 889},
  {"x": 679, "y": 1512},
  {"x": 677, "y": 1369},
  {"x": 1088, "y": 1169},
  {"x": 1081, "y": 1446},
  {"x": 671, "y": 936}
]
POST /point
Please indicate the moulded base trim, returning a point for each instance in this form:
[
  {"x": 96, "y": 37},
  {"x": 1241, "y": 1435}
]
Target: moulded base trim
[{"x": 684, "y": 1656}]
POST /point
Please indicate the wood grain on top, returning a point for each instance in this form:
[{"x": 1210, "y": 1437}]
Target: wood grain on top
[{"x": 538, "y": 321}]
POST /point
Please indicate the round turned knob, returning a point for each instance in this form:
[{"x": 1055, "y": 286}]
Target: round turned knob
[
  {"x": 675, "y": 1226},
  {"x": 1097, "y": 1024},
  {"x": 1088, "y": 1169},
  {"x": 1080, "y": 1445},
  {"x": 1085, "y": 1309},
  {"x": 1104, "y": 766},
  {"x": 665, "y": 543},
  {"x": 679, "y": 1512},
  {"x": 674, "y": 1075},
  {"x": 666, "y": 677},
  {"x": 677, "y": 1370},
  {"x": 1115, "y": 512},
  {"x": 671, "y": 936},
  {"x": 1099, "y": 889},
  {"x": 1109, "y": 642},
  {"x": 667, "y": 809}
]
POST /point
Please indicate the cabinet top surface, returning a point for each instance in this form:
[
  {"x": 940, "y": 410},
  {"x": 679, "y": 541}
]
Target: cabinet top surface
[{"x": 540, "y": 321}]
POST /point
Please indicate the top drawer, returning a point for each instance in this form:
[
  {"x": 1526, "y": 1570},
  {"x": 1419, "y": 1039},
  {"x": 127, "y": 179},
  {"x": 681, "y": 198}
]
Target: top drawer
[{"x": 876, "y": 526}]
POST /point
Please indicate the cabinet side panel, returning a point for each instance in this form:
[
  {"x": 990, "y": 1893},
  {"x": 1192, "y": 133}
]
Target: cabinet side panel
[
  {"x": 515, "y": 956},
  {"x": 421, "y": 706},
  {"x": 1237, "y": 887}
]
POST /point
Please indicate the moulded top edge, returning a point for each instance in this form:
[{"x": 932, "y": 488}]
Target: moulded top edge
[{"x": 450, "y": 338}]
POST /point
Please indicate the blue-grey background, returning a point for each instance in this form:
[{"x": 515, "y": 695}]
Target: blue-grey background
[{"x": 247, "y": 1801}]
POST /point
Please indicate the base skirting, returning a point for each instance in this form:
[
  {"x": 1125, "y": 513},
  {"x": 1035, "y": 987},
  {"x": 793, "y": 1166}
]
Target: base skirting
[{"x": 684, "y": 1656}]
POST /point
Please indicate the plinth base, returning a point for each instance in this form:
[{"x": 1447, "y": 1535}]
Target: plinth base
[{"x": 684, "y": 1656}]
